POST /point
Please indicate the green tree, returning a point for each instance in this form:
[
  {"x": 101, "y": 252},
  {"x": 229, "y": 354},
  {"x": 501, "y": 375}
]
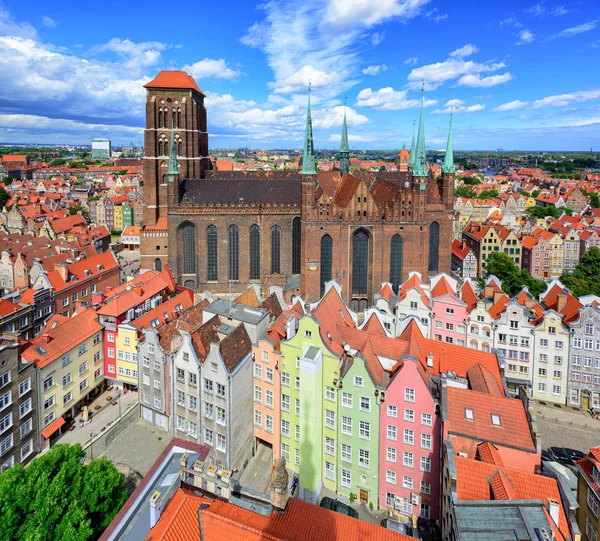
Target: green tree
[
  {"x": 78, "y": 208},
  {"x": 513, "y": 278},
  {"x": 535, "y": 193},
  {"x": 525, "y": 193},
  {"x": 7, "y": 181},
  {"x": 57, "y": 497},
  {"x": 488, "y": 194},
  {"x": 594, "y": 200},
  {"x": 4, "y": 197},
  {"x": 57, "y": 161},
  {"x": 585, "y": 279},
  {"x": 465, "y": 191}
]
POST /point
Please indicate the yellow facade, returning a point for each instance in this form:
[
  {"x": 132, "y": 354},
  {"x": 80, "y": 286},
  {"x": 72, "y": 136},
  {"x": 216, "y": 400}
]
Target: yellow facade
[
  {"x": 118, "y": 217},
  {"x": 588, "y": 516},
  {"x": 68, "y": 379},
  {"x": 126, "y": 344}
]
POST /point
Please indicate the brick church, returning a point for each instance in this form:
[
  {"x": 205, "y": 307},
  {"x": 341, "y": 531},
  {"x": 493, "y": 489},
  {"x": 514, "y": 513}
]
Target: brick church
[{"x": 222, "y": 230}]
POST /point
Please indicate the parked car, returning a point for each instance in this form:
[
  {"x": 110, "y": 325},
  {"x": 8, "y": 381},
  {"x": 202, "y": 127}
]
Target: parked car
[
  {"x": 564, "y": 455},
  {"x": 400, "y": 527},
  {"x": 338, "y": 507}
]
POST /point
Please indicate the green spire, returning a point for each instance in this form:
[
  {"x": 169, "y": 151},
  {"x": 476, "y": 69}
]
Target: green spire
[
  {"x": 344, "y": 149},
  {"x": 308, "y": 158},
  {"x": 420, "y": 163},
  {"x": 448, "y": 166},
  {"x": 173, "y": 168},
  {"x": 411, "y": 161}
]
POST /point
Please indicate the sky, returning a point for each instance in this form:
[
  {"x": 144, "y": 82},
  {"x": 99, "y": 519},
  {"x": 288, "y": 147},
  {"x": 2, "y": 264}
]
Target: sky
[{"x": 517, "y": 75}]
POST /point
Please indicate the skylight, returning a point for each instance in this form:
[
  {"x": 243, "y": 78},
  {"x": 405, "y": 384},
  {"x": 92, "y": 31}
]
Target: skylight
[
  {"x": 496, "y": 419},
  {"x": 469, "y": 414}
]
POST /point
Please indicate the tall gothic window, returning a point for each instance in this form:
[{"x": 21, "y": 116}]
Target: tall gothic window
[
  {"x": 254, "y": 252},
  {"x": 178, "y": 118},
  {"x": 434, "y": 247},
  {"x": 179, "y": 147},
  {"x": 396, "y": 254},
  {"x": 157, "y": 265},
  {"x": 189, "y": 248},
  {"x": 160, "y": 147},
  {"x": 165, "y": 124},
  {"x": 326, "y": 261},
  {"x": 360, "y": 262},
  {"x": 160, "y": 117},
  {"x": 212, "y": 274},
  {"x": 296, "y": 239},
  {"x": 275, "y": 250},
  {"x": 233, "y": 252}
]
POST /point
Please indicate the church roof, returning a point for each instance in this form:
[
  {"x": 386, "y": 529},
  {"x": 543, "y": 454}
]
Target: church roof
[
  {"x": 246, "y": 190},
  {"x": 174, "y": 79}
]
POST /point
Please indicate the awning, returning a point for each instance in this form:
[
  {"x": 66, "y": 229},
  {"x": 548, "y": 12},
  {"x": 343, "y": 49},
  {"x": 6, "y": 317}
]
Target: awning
[{"x": 53, "y": 427}]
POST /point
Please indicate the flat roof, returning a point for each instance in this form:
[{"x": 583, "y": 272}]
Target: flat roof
[{"x": 239, "y": 312}]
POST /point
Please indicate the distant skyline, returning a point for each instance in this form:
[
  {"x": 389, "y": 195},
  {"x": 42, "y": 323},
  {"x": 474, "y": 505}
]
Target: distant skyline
[{"x": 518, "y": 75}]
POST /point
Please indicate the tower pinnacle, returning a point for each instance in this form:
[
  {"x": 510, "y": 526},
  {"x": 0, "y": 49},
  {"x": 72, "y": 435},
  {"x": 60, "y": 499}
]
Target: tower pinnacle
[
  {"x": 448, "y": 166},
  {"x": 308, "y": 157},
  {"x": 173, "y": 167},
  {"x": 411, "y": 162},
  {"x": 420, "y": 162},
  {"x": 344, "y": 148}
]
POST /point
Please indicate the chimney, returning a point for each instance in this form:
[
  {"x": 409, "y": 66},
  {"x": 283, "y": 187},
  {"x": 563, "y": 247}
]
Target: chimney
[
  {"x": 63, "y": 270},
  {"x": 561, "y": 302},
  {"x": 290, "y": 327},
  {"x": 279, "y": 485},
  {"x": 497, "y": 295},
  {"x": 154, "y": 509},
  {"x": 554, "y": 510}
]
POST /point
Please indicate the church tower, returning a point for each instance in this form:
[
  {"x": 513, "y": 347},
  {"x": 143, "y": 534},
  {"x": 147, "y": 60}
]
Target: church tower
[
  {"x": 344, "y": 148},
  {"x": 419, "y": 169},
  {"x": 309, "y": 171},
  {"x": 448, "y": 172}
]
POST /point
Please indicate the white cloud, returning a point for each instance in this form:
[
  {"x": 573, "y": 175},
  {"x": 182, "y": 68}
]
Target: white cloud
[
  {"x": 475, "y": 80},
  {"x": 388, "y": 99},
  {"x": 454, "y": 103},
  {"x": 525, "y": 36},
  {"x": 298, "y": 81},
  {"x": 367, "y": 13},
  {"x": 454, "y": 67},
  {"x": 337, "y": 137},
  {"x": 9, "y": 27},
  {"x": 512, "y": 105},
  {"x": 561, "y": 100},
  {"x": 508, "y": 21},
  {"x": 412, "y": 61},
  {"x": 377, "y": 37},
  {"x": 573, "y": 31},
  {"x": 374, "y": 70},
  {"x": 211, "y": 67},
  {"x": 541, "y": 9},
  {"x": 434, "y": 15},
  {"x": 44, "y": 124},
  {"x": 326, "y": 119},
  {"x": 460, "y": 109},
  {"x": 135, "y": 55},
  {"x": 48, "y": 22},
  {"x": 464, "y": 51}
]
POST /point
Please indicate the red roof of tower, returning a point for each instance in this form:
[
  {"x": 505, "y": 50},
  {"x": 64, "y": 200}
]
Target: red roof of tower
[{"x": 174, "y": 79}]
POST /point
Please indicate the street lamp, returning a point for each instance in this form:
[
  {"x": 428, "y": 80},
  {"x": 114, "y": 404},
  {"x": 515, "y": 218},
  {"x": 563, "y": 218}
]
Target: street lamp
[{"x": 91, "y": 445}]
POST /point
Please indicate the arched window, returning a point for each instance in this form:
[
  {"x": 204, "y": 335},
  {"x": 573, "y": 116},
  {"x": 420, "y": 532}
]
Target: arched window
[
  {"x": 233, "y": 253},
  {"x": 211, "y": 254},
  {"x": 396, "y": 255},
  {"x": 160, "y": 147},
  {"x": 157, "y": 265},
  {"x": 179, "y": 147},
  {"x": 189, "y": 248},
  {"x": 254, "y": 252},
  {"x": 296, "y": 239},
  {"x": 275, "y": 250},
  {"x": 326, "y": 261},
  {"x": 434, "y": 247},
  {"x": 165, "y": 121},
  {"x": 160, "y": 117},
  {"x": 360, "y": 262},
  {"x": 179, "y": 118}
]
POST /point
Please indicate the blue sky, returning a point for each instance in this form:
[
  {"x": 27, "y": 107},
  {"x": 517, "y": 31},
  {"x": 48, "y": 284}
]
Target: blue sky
[{"x": 518, "y": 75}]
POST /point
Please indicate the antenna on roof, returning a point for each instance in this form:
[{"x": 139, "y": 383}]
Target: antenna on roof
[{"x": 173, "y": 64}]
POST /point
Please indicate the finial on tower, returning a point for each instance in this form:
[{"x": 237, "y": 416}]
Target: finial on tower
[
  {"x": 448, "y": 166},
  {"x": 344, "y": 147},
  {"x": 420, "y": 163},
  {"x": 308, "y": 157}
]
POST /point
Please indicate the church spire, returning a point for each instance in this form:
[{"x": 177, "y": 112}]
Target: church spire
[
  {"x": 173, "y": 167},
  {"x": 344, "y": 148},
  {"x": 448, "y": 166},
  {"x": 308, "y": 158},
  {"x": 420, "y": 163},
  {"x": 411, "y": 162}
]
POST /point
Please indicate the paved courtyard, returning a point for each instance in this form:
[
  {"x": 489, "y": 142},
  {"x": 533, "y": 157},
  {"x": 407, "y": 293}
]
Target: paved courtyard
[
  {"x": 138, "y": 447},
  {"x": 566, "y": 427},
  {"x": 257, "y": 474}
]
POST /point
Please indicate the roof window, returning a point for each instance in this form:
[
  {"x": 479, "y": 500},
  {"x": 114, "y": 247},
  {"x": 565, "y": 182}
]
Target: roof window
[
  {"x": 469, "y": 414},
  {"x": 496, "y": 419}
]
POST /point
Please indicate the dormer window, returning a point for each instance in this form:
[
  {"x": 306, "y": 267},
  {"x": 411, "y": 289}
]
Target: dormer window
[
  {"x": 496, "y": 419},
  {"x": 469, "y": 415}
]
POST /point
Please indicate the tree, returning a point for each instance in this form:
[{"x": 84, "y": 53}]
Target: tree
[
  {"x": 4, "y": 197},
  {"x": 7, "y": 181},
  {"x": 58, "y": 497},
  {"x": 513, "y": 278},
  {"x": 57, "y": 161},
  {"x": 535, "y": 193},
  {"x": 595, "y": 200},
  {"x": 585, "y": 279},
  {"x": 525, "y": 193},
  {"x": 488, "y": 194},
  {"x": 465, "y": 191},
  {"x": 78, "y": 208}
]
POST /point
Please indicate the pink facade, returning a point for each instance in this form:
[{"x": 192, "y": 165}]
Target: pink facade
[
  {"x": 449, "y": 321},
  {"x": 266, "y": 395},
  {"x": 409, "y": 424}
]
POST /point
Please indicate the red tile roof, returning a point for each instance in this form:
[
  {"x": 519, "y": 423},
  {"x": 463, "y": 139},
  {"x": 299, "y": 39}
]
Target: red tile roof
[
  {"x": 165, "y": 311},
  {"x": 95, "y": 265},
  {"x": 513, "y": 430},
  {"x": 174, "y": 79},
  {"x": 442, "y": 287},
  {"x": 488, "y": 452},
  {"x": 478, "y": 481},
  {"x": 386, "y": 291},
  {"x": 161, "y": 225},
  {"x": 248, "y": 298},
  {"x": 332, "y": 313},
  {"x": 468, "y": 296},
  {"x": 62, "y": 338},
  {"x": 374, "y": 326},
  {"x": 481, "y": 380},
  {"x": 277, "y": 331},
  {"x": 8, "y": 307}
]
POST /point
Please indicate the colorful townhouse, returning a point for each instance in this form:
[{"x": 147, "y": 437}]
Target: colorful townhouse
[
  {"x": 127, "y": 302},
  {"x": 483, "y": 240},
  {"x": 543, "y": 254},
  {"x": 449, "y": 312},
  {"x": 69, "y": 374},
  {"x": 588, "y": 495},
  {"x": 267, "y": 378}
]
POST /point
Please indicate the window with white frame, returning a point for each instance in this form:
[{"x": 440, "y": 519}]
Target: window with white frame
[
  {"x": 330, "y": 394},
  {"x": 590, "y": 529},
  {"x": 329, "y": 445},
  {"x": 407, "y": 482},
  {"x": 426, "y": 419},
  {"x": 269, "y": 424},
  {"x": 346, "y": 478},
  {"x": 330, "y": 419},
  {"x": 390, "y": 454},
  {"x": 285, "y": 379},
  {"x": 346, "y": 453},
  {"x": 181, "y": 423},
  {"x": 258, "y": 418},
  {"x": 347, "y": 400},
  {"x": 365, "y": 404},
  {"x": 285, "y": 428},
  {"x": 358, "y": 381},
  {"x": 425, "y": 464},
  {"x": 409, "y": 395},
  {"x": 364, "y": 458},
  {"x": 269, "y": 398},
  {"x": 392, "y": 432},
  {"x": 258, "y": 394},
  {"x": 329, "y": 471},
  {"x": 364, "y": 431},
  {"x": 425, "y": 487},
  {"x": 407, "y": 459},
  {"x": 221, "y": 443},
  {"x": 426, "y": 441},
  {"x": 409, "y": 437},
  {"x": 392, "y": 411},
  {"x": 390, "y": 477},
  {"x": 347, "y": 425},
  {"x": 409, "y": 415}
]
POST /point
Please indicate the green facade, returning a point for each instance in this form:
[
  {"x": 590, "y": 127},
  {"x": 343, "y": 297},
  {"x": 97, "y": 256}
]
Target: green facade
[{"x": 128, "y": 217}]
